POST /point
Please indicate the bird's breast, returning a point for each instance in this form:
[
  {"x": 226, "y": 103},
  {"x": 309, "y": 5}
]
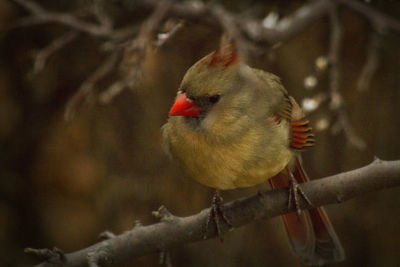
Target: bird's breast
[{"x": 251, "y": 158}]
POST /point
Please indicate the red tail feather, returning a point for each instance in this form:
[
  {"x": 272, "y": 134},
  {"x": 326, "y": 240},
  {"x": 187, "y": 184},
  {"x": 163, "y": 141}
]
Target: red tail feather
[{"x": 311, "y": 234}]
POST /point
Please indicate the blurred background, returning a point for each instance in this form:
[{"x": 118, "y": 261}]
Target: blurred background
[{"x": 63, "y": 182}]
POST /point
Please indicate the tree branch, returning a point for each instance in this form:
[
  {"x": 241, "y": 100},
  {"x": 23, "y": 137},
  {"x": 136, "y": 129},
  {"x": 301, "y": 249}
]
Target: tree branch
[
  {"x": 42, "y": 56},
  {"x": 173, "y": 230},
  {"x": 40, "y": 16},
  {"x": 336, "y": 99},
  {"x": 375, "y": 16},
  {"x": 372, "y": 62},
  {"x": 246, "y": 32}
]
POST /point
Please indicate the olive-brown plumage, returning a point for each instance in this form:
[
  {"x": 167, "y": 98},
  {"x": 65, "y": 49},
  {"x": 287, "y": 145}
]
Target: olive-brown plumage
[{"x": 234, "y": 126}]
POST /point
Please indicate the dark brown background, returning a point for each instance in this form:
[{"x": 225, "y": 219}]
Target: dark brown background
[{"x": 62, "y": 183}]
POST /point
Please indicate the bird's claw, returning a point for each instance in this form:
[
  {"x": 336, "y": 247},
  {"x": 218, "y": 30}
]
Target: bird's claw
[
  {"x": 294, "y": 192},
  {"x": 217, "y": 215}
]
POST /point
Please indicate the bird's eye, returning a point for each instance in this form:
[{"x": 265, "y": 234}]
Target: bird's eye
[{"x": 214, "y": 99}]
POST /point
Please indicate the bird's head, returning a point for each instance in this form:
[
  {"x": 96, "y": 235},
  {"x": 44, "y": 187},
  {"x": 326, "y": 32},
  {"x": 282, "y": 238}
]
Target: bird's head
[
  {"x": 211, "y": 96},
  {"x": 206, "y": 83}
]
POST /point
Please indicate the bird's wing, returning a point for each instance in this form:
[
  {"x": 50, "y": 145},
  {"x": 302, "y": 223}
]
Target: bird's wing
[{"x": 302, "y": 136}]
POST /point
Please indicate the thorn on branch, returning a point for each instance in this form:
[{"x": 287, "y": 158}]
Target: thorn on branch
[
  {"x": 164, "y": 215},
  {"x": 137, "y": 224},
  {"x": 377, "y": 160},
  {"x": 99, "y": 257},
  {"x": 54, "y": 255},
  {"x": 106, "y": 235}
]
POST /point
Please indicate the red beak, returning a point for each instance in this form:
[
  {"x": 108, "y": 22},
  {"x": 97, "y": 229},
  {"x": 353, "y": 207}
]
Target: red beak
[{"x": 183, "y": 106}]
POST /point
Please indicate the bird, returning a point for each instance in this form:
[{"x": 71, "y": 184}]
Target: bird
[{"x": 233, "y": 126}]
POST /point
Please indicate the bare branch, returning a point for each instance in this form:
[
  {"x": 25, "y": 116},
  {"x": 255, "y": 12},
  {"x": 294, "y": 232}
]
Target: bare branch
[
  {"x": 112, "y": 91},
  {"x": 164, "y": 38},
  {"x": 42, "y": 56},
  {"x": 375, "y": 16},
  {"x": 30, "y": 6},
  {"x": 149, "y": 27},
  {"x": 101, "y": 15},
  {"x": 253, "y": 29},
  {"x": 344, "y": 124},
  {"x": 336, "y": 38},
  {"x": 86, "y": 89},
  {"x": 244, "y": 31},
  {"x": 41, "y": 16},
  {"x": 290, "y": 26},
  {"x": 371, "y": 65},
  {"x": 135, "y": 54},
  {"x": 336, "y": 104},
  {"x": 165, "y": 235}
]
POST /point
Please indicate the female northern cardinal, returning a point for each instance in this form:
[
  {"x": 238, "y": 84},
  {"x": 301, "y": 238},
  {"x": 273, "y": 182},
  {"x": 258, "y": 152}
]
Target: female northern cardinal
[{"x": 230, "y": 130}]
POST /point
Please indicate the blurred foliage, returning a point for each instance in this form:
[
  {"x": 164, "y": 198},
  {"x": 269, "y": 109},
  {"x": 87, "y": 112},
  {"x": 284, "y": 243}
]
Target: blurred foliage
[{"x": 62, "y": 183}]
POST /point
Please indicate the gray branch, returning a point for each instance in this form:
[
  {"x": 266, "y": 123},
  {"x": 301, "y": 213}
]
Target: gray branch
[{"x": 173, "y": 230}]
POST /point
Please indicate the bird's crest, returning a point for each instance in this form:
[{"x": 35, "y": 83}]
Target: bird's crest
[{"x": 225, "y": 56}]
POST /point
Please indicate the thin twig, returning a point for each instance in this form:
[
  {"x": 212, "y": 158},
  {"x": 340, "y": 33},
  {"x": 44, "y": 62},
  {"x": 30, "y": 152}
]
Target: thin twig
[
  {"x": 101, "y": 15},
  {"x": 42, "y": 56},
  {"x": 336, "y": 98},
  {"x": 30, "y": 6},
  {"x": 135, "y": 54},
  {"x": 165, "y": 38},
  {"x": 372, "y": 62},
  {"x": 40, "y": 16},
  {"x": 336, "y": 38},
  {"x": 86, "y": 89},
  {"x": 373, "y": 15},
  {"x": 113, "y": 90}
]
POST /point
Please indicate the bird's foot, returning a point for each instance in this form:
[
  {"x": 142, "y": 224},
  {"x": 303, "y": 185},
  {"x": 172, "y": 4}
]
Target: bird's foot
[
  {"x": 217, "y": 215},
  {"x": 294, "y": 192}
]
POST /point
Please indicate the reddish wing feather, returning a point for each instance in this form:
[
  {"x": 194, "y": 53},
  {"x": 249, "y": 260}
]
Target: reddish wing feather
[{"x": 302, "y": 135}]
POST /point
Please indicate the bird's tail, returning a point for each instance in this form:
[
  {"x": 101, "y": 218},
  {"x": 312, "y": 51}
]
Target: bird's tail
[{"x": 311, "y": 234}]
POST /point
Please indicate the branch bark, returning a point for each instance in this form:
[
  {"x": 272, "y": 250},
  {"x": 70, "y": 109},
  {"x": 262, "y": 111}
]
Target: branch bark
[{"x": 173, "y": 230}]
